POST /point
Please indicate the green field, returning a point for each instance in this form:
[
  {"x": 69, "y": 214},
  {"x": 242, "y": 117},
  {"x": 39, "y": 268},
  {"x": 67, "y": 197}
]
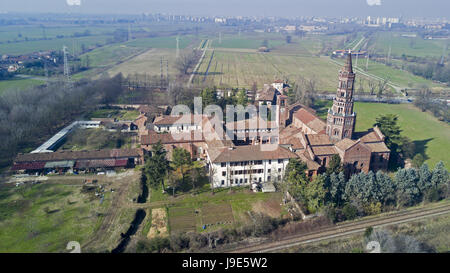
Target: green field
[
  {"x": 18, "y": 84},
  {"x": 243, "y": 68},
  {"x": 45, "y": 217},
  {"x": 54, "y": 44},
  {"x": 416, "y": 46},
  {"x": 431, "y": 136}
]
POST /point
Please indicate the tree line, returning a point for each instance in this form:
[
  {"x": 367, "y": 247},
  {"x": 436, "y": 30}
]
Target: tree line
[
  {"x": 29, "y": 117},
  {"x": 343, "y": 198}
]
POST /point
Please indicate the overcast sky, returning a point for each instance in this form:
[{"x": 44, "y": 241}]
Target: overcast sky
[{"x": 408, "y": 8}]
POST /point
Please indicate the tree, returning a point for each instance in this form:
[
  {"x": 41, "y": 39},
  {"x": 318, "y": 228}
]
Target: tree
[
  {"x": 241, "y": 97},
  {"x": 296, "y": 179},
  {"x": 156, "y": 165},
  {"x": 182, "y": 162},
  {"x": 315, "y": 193},
  {"x": 209, "y": 97},
  {"x": 408, "y": 192},
  {"x": 288, "y": 39},
  {"x": 185, "y": 61},
  {"x": 372, "y": 87},
  {"x": 337, "y": 188},
  {"x": 440, "y": 179},
  {"x": 418, "y": 160},
  {"x": 335, "y": 165},
  {"x": 386, "y": 188}
]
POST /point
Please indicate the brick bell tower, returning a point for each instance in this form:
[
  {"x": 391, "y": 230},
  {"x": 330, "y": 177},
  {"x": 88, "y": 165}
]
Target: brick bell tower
[{"x": 341, "y": 118}]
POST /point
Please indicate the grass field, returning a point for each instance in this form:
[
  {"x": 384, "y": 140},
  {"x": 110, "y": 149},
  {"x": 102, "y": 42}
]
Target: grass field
[
  {"x": 431, "y": 136},
  {"x": 54, "y": 44},
  {"x": 18, "y": 84},
  {"x": 409, "y": 46},
  {"x": 45, "y": 217},
  {"x": 242, "y": 69},
  {"x": 115, "y": 114},
  {"x": 147, "y": 63}
]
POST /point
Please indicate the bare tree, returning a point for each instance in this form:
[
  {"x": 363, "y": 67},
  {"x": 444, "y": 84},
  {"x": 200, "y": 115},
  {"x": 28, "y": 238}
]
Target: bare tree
[
  {"x": 186, "y": 61},
  {"x": 382, "y": 87},
  {"x": 372, "y": 87}
]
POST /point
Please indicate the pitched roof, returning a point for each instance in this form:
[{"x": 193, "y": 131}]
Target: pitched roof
[
  {"x": 178, "y": 119},
  {"x": 310, "y": 119},
  {"x": 344, "y": 144},
  {"x": 251, "y": 124},
  {"x": 323, "y": 150},
  {"x": 304, "y": 116},
  {"x": 311, "y": 164},
  {"x": 167, "y": 138},
  {"x": 77, "y": 155},
  {"x": 318, "y": 140},
  {"x": 378, "y": 147},
  {"x": 249, "y": 153}
]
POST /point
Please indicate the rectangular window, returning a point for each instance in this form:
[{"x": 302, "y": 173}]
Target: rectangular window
[
  {"x": 268, "y": 178},
  {"x": 223, "y": 182},
  {"x": 270, "y": 161},
  {"x": 280, "y": 161},
  {"x": 223, "y": 164},
  {"x": 224, "y": 173},
  {"x": 246, "y": 180}
]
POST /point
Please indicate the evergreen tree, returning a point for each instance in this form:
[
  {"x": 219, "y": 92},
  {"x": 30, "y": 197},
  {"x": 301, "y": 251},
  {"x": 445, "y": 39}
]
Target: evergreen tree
[
  {"x": 440, "y": 179},
  {"x": 241, "y": 97},
  {"x": 386, "y": 188},
  {"x": 406, "y": 182},
  {"x": 156, "y": 165},
  {"x": 335, "y": 165},
  {"x": 424, "y": 178},
  {"x": 315, "y": 193}
]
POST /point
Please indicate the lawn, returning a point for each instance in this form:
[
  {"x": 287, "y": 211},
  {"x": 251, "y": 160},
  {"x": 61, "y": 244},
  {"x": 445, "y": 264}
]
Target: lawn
[
  {"x": 431, "y": 136},
  {"x": 45, "y": 217}
]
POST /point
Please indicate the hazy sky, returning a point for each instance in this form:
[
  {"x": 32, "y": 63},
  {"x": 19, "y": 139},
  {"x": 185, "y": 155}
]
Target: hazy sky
[{"x": 408, "y": 8}]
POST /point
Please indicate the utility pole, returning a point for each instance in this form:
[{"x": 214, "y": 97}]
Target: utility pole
[
  {"x": 178, "y": 47},
  {"x": 389, "y": 55},
  {"x": 46, "y": 73},
  {"x": 161, "y": 69},
  {"x": 167, "y": 72},
  {"x": 129, "y": 32},
  {"x": 367, "y": 61},
  {"x": 68, "y": 81}
]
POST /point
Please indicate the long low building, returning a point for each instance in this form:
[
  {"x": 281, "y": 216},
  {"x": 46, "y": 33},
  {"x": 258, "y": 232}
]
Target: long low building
[{"x": 78, "y": 160}]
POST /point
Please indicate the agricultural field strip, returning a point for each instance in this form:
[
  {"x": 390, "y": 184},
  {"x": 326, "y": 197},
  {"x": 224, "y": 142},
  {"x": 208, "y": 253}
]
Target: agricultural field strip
[
  {"x": 194, "y": 72},
  {"x": 346, "y": 229},
  {"x": 396, "y": 88}
]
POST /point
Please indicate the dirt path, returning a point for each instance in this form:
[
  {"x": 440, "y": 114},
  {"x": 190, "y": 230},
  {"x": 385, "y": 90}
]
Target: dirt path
[{"x": 119, "y": 201}]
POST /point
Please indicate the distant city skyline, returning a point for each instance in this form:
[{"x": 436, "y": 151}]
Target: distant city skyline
[{"x": 286, "y": 8}]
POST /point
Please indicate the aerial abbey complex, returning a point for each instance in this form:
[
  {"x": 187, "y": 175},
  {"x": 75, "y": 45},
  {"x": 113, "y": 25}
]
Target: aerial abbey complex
[{"x": 243, "y": 152}]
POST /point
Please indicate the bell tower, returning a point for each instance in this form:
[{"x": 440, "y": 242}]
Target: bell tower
[{"x": 341, "y": 118}]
